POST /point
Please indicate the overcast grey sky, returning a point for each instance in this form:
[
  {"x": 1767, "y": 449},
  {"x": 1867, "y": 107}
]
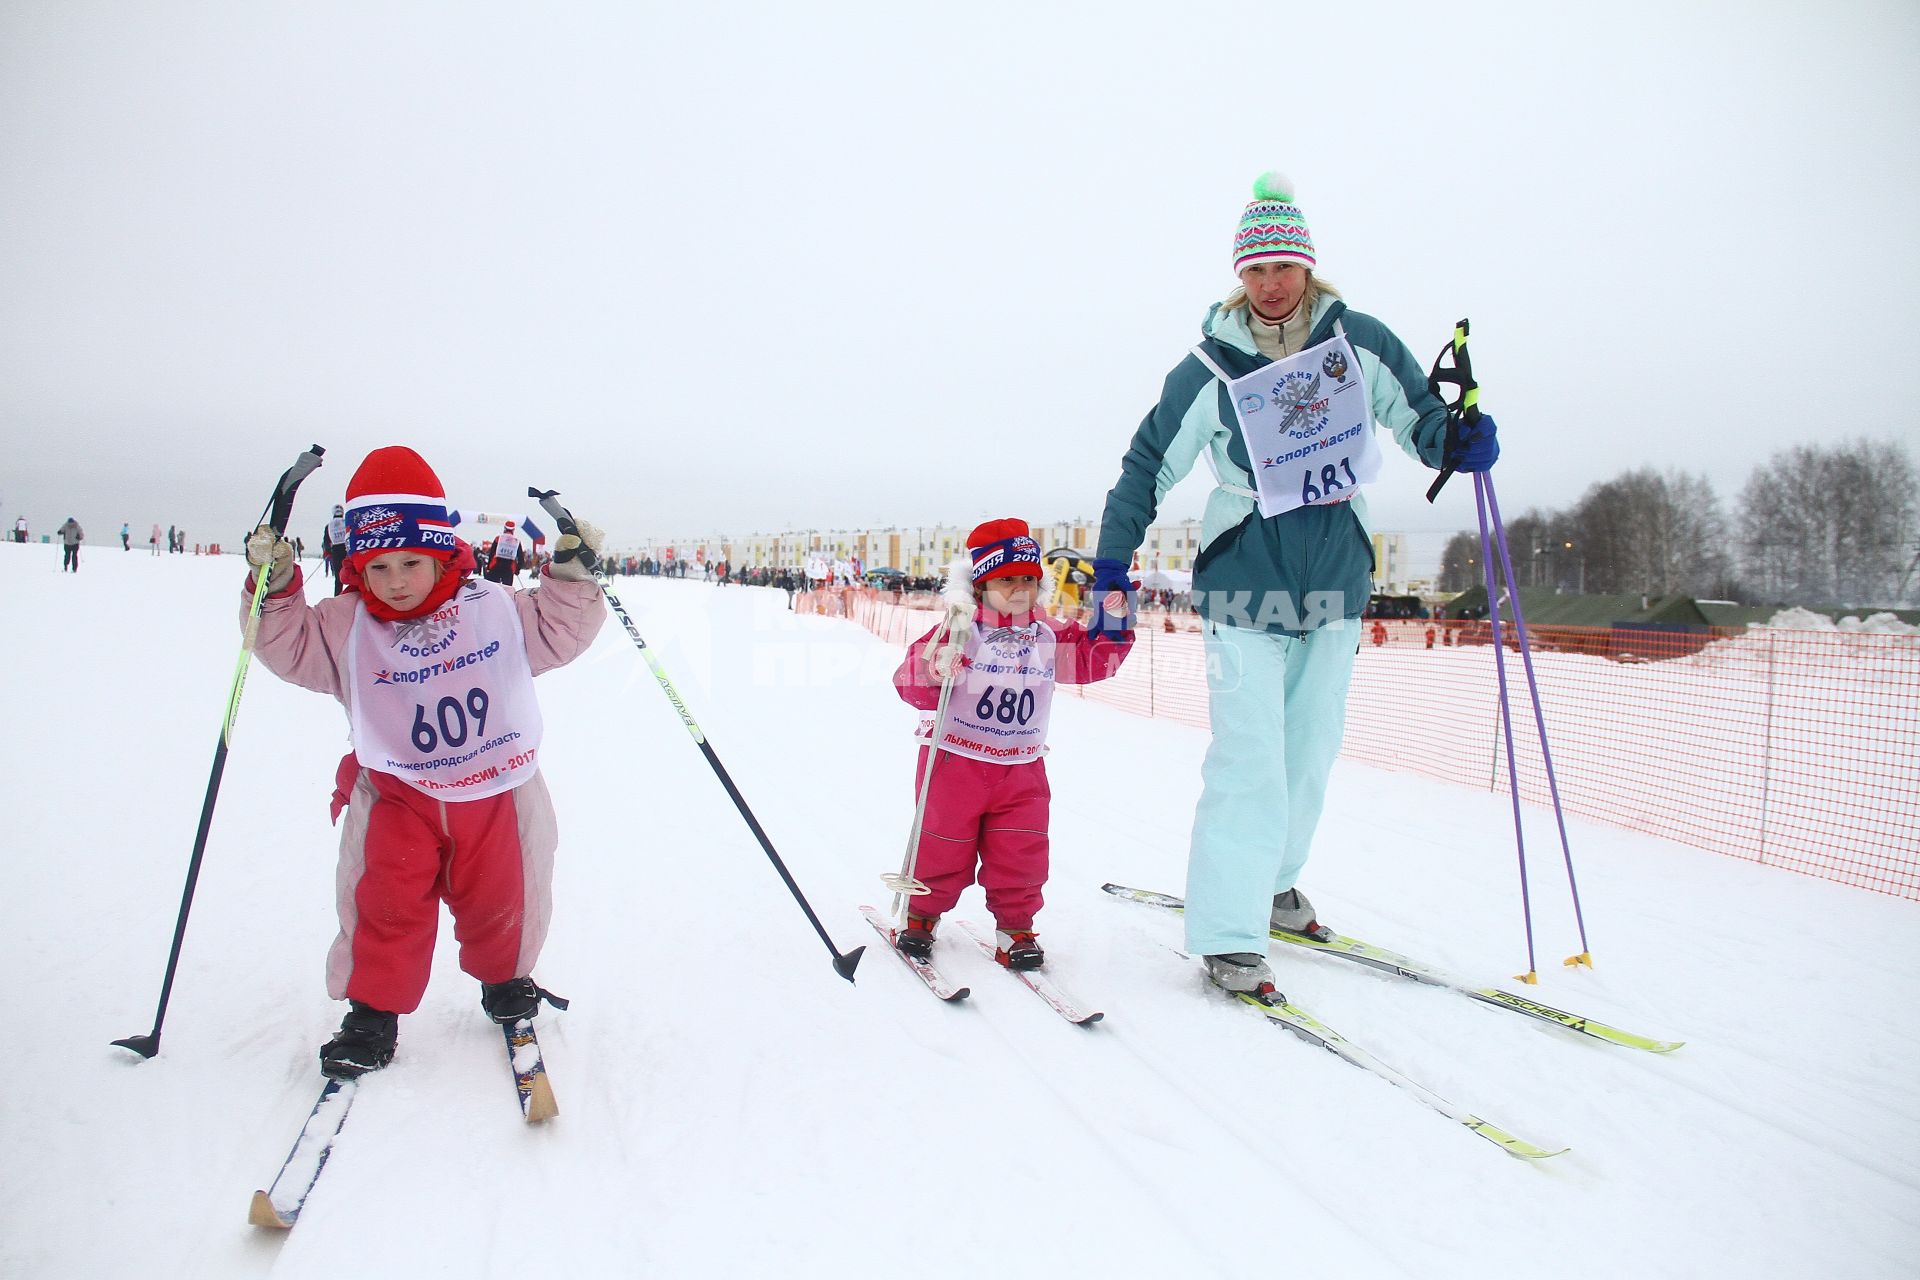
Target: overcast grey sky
[{"x": 754, "y": 266}]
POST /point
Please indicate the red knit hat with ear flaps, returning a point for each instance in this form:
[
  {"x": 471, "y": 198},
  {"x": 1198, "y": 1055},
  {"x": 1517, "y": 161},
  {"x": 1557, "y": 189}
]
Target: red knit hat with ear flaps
[{"x": 1003, "y": 549}]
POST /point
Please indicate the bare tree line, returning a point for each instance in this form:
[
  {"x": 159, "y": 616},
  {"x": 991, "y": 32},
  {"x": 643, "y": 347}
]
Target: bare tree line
[{"x": 1816, "y": 524}]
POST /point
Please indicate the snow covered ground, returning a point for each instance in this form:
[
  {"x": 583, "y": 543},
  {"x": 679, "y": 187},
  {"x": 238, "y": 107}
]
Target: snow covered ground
[{"x": 730, "y": 1107}]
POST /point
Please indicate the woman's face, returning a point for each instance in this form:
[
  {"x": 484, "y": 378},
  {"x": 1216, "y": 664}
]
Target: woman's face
[{"x": 1274, "y": 288}]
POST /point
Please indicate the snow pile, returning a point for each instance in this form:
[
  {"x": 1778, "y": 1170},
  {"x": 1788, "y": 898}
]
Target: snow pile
[{"x": 1797, "y": 619}]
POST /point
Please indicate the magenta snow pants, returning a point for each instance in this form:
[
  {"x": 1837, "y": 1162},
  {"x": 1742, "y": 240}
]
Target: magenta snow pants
[{"x": 993, "y": 816}]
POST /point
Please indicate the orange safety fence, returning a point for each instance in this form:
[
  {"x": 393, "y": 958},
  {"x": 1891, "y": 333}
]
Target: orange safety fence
[{"x": 1797, "y": 749}]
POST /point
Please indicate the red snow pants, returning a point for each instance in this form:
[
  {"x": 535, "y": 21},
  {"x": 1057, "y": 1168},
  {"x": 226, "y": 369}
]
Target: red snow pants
[
  {"x": 403, "y": 853},
  {"x": 990, "y": 815}
]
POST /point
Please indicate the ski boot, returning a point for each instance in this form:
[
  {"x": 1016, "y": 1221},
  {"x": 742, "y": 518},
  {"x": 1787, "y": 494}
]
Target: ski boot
[
  {"x": 916, "y": 940},
  {"x": 1018, "y": 949},
  {"x": 515, "y": 999},
  {"x": 1244, "y": 974},
  {"x": 364, "y": 1043},
  {"x": 1293, "y": 913}
]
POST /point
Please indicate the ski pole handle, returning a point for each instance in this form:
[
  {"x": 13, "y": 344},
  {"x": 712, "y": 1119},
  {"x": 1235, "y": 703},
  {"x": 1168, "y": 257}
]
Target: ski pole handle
[
  {"x": 1468, "y": 410},
  {"x": 289, "y": 484},
  {"x": 563, "y": 523}
]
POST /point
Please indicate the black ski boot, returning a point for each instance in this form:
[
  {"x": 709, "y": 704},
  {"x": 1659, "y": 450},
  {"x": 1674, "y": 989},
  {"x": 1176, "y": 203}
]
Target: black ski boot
[
  {"x": 364, "y": 1043},
  {"x": 1018, "y": 949},
  {"x": 916, "y": 939},
  {"x": 515, "y": 999}
]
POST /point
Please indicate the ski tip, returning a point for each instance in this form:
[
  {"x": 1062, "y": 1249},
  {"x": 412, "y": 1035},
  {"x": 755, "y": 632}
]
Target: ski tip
[
  {"x": 1090, "y": 1019},
  {"x": 261, "y": 1213},
  {"x": 1527, "y": 1151},
  {"x": 959, "y": 993},
  {"x": 541, "y": 1105}
]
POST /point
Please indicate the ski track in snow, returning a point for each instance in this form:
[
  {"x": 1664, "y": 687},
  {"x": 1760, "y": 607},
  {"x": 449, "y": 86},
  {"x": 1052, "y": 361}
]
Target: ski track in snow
[{"x": 730, "y": 1107}]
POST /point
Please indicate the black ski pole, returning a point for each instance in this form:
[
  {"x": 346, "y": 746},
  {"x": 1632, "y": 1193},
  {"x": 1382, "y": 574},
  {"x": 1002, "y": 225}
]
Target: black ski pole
[
  {"x": 843, "y": 965},
  {"x": 279, "y": 507},
  {"x": 1467, "y": 410}
]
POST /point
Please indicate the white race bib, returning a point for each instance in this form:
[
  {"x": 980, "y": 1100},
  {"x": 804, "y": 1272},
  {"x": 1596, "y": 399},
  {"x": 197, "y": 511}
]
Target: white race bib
[
  {"x": 337, "y": 532},
  {"x": 445, "y": 703},
  {"x": 1002, "y": 699},
  {"x": 506, "y": 547},
  {"x": 1308, "y": 427}
]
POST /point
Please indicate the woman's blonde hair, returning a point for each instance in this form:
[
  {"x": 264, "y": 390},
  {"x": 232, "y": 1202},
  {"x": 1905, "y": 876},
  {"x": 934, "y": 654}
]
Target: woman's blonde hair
[{"x": 1315, "y": 287}]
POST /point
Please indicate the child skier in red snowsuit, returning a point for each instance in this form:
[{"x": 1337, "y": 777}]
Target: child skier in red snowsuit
[
  {"x": 988, "y": 803},
  {"x": 443, "y": 795}
]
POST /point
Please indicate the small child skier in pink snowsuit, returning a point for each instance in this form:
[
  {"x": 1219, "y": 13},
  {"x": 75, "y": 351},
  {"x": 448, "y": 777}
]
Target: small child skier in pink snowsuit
[
  {"x": 443, "y": 795},
  {"x": 988, "y": 803}
]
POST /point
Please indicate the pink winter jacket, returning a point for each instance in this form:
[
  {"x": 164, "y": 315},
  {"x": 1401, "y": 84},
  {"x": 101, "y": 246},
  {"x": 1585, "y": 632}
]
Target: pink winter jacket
[
  {"x": 306, "y": 644},
  {"x": 1082, "y": 657}
]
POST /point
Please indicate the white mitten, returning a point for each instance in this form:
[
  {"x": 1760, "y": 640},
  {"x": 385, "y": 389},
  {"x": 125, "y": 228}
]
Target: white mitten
[
  {"x": 265, "y": 545},
  {"x": 577, "y": 551},
  {"x": 944, "y": 662}
]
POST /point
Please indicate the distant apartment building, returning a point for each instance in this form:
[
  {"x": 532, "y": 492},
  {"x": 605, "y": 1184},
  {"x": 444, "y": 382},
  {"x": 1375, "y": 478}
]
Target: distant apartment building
[
  {"x": 1390, "y": 564},
  {"x": 925, "y": 551}
]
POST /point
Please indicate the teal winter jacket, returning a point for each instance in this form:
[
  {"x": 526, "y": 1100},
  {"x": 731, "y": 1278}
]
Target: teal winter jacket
[{"x": 1288, "y": 573}]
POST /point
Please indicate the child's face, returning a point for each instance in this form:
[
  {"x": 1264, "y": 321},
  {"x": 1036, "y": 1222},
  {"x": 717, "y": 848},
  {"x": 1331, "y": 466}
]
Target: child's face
[
  {"x": 401, "y": 579},
  {"x": 1012, "y": 595}
]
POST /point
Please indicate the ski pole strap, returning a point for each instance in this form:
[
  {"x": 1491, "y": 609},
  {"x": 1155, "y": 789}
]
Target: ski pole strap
[
  {"x": 563, "y": 521},
  {"x": 1465, "y": 409}
]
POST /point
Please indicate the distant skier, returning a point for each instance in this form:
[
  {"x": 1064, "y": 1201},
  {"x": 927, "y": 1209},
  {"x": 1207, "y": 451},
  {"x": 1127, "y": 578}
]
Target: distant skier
[
  {"x": 506, "y": 559},
  {"x": 988, "y": 803},
  {"x": 20, "y": 529},
  {"x": 442, "y": 792},
  {"x": 333, "y": 546},
  {"x": 126, "y": 536},
  {"x": 70, "y": 539}
]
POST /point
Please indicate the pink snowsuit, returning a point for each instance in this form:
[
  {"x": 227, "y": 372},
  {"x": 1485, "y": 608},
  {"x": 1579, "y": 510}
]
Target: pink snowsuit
[
  {"x": 402, "y": 851},
  {"x": 984, "y": 811}
]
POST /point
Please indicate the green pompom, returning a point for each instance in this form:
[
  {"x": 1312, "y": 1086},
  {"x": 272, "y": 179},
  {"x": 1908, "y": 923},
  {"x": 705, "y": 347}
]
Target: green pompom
[{"x": 1273, "y": 185}]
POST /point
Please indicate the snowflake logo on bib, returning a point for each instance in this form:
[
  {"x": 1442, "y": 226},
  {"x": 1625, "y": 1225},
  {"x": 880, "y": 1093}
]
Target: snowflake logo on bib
[
  {"x": 1303, "y": 410},
  {"x": 1010, "y": 643},
  {"x": 425, "y": 637}
]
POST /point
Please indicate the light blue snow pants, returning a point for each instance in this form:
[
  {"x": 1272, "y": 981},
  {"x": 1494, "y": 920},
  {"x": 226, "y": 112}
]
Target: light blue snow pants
[{"x": 1278, "y": 706}]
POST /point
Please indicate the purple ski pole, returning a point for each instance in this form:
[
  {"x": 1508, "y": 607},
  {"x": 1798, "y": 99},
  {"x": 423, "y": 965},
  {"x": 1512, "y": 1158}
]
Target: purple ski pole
[
  {"x": 1532, "y": 975},
  {"x": 1484, "y": 480}
]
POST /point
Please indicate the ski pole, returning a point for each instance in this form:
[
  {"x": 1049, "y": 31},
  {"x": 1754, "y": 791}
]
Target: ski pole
[
  {"x": 843, "y": 965},
  {"x": 279, "y": 507},
  {"x": 1493, "y": 545},
  {"x": 1506, "y": 720},
  {"x": 1483, "y": 482},
  {"x": 959, "y": 598}
]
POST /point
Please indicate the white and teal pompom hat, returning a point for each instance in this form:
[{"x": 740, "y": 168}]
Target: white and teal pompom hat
[{"x": 1272, "y": 228}]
